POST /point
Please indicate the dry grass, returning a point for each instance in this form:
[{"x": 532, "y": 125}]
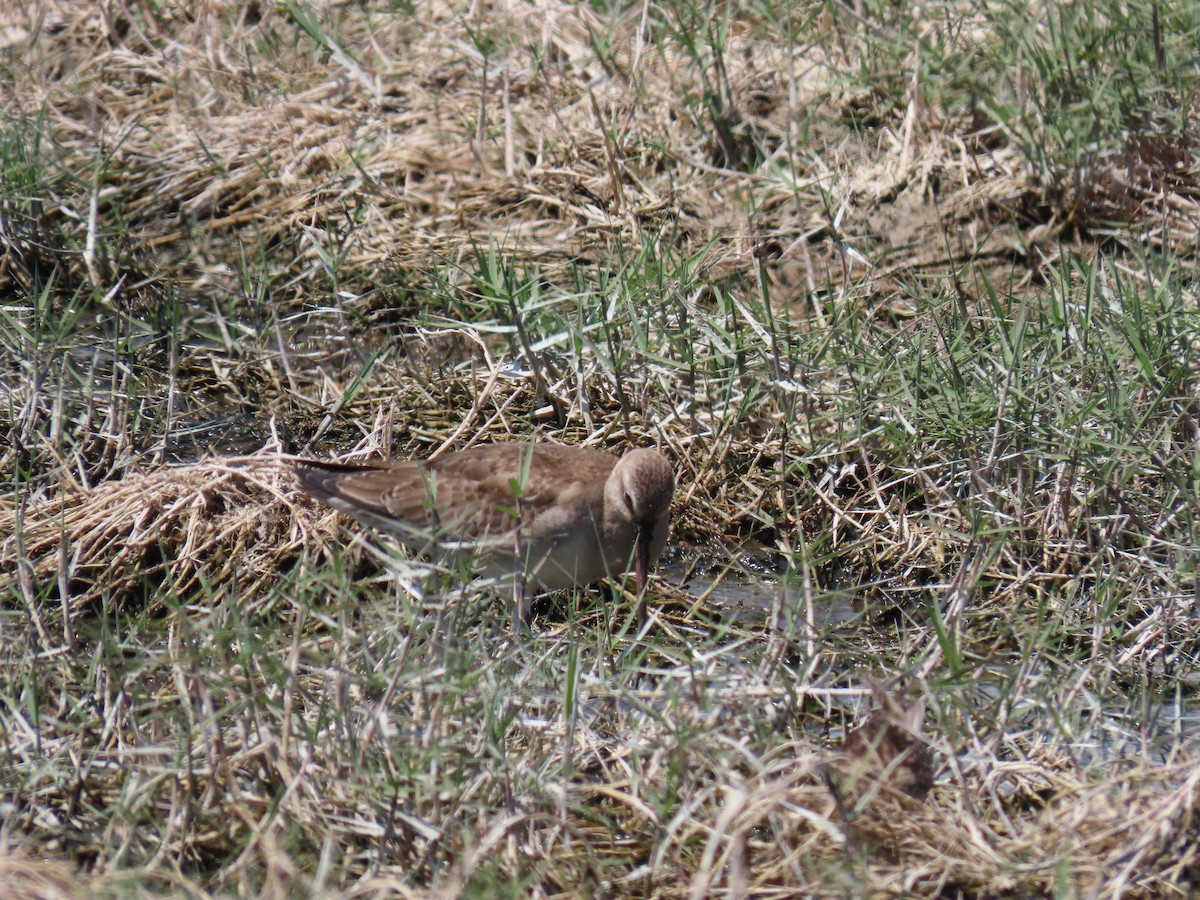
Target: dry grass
[
  {"x": 920, "y": 342},
  {"x": 219, "y": 519}
]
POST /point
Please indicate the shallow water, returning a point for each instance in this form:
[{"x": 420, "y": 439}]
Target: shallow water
[
  {"x": 1120, "y": 731},
  {"x": 749, "y": 592}
]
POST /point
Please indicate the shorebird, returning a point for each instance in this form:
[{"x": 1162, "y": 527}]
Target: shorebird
[
  {"x": 547, "y": 515},
  {"x": 889, "y": 748}
]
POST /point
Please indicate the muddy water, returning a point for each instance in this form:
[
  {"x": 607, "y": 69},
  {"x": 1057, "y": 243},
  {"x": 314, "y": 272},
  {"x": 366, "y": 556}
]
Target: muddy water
[
  {"x": 748, "y": 593},
  {"x": 1116, "y": 731}
]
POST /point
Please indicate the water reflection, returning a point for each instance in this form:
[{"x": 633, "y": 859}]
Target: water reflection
[{"x": 748, "y": 593}]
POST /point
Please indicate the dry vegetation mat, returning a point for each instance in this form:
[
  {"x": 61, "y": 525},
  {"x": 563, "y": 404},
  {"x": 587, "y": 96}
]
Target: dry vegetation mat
[{"x": 906, "y": 294}]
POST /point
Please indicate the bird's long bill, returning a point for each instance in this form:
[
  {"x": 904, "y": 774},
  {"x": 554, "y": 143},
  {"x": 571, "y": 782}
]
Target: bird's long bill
[{"x": 641, "y": 561}]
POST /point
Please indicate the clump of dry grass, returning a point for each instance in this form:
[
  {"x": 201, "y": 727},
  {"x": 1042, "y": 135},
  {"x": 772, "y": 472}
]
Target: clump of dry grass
[
  {"x": 413, "y": 145},
  {"x": 225, "y": 520},
  {"x": 36, "y": 879}
]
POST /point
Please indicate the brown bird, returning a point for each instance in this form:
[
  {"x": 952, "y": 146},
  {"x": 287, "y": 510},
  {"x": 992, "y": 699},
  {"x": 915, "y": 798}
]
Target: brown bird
[
  {"x": 889, "y": 748},
  {"x": 547, "y": 515}
]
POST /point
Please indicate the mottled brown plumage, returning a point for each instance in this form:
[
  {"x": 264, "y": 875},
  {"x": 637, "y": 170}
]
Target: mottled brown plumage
[
  {"x": 557, "y": 516},
  {"x": 888, "y": 748}
]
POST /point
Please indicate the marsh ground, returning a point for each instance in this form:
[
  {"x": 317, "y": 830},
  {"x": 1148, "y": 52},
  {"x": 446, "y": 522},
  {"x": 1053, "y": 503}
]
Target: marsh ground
[{"x": 906, "y": 292}]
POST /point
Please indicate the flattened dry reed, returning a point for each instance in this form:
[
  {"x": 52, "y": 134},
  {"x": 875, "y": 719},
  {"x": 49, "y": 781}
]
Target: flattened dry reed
[{"x": 224, "y": 520}]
